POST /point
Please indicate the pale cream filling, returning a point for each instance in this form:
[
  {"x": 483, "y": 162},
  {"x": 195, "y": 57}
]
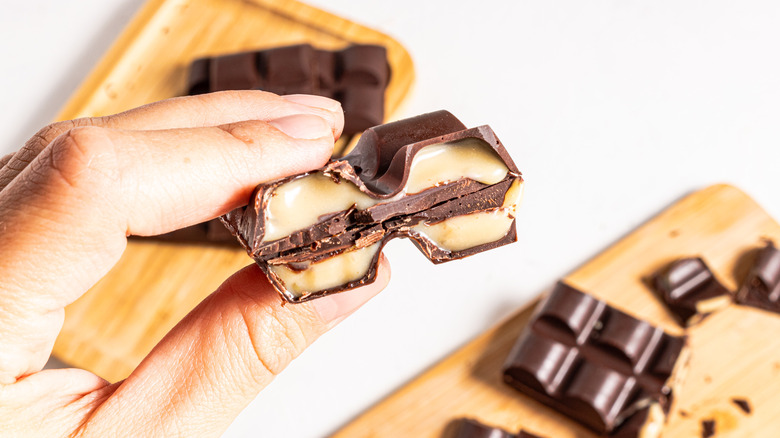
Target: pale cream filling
[
  {"x": 298, "y": 204},
  {"x": 441, "y": 163},
  {"x": 467, "y": 231},
  {"x": 328, "y": 273},
  {"x": 514, "y": 195}
]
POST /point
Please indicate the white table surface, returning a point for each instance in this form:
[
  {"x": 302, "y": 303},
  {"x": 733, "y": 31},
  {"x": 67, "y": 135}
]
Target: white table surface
[{"x": 612, "y": 109}]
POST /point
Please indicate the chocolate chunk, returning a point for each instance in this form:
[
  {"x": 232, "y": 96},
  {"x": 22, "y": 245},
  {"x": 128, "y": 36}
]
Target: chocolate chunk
[
  {"x": 468, "y": 428},
  {"x": 598, "y": 365},
  {"x": 355, "y": 76},
  {"x": 690, "y": 290},
  {"x": 762, "y": 286},
  {"x": 707, "y": 428},
  {"x": 449, "y": 189},
  {"x": 742, "y": 404}
]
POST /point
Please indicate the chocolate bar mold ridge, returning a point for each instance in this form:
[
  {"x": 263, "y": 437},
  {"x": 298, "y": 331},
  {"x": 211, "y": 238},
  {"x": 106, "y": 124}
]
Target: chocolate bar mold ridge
[
  {"x": 596, "y": 364},
  {"x": 451, "y": 190}
]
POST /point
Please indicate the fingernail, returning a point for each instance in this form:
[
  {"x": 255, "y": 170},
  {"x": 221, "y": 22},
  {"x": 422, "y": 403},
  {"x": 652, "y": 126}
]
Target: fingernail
[
  {"x": 334, "y": 308},
  {"x": 315, "y": 101},
  {"x": 303, "y": 126}
]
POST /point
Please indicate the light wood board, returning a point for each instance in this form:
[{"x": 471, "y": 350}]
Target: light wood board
[
  {"x": 111, "y": 328},
  {"x": 735, "y": 353}
]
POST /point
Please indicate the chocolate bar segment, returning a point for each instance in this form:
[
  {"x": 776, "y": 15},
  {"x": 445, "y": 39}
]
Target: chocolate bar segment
[
  {"x": 452, "y": 190},
  {"x": 602, "y": 367},
  {"x": 468, "y": 428},
  {"x": 762, "y": 286},
  {"x": 690, "y": 290},
  {"x": 356, "y": 76}
]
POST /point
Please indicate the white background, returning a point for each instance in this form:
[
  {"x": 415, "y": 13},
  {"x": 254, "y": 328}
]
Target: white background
[{"x": 612, "y": 109}]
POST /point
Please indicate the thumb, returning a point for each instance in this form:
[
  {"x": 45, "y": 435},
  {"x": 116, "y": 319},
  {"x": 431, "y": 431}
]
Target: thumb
[{"x": 216, "y": 360}]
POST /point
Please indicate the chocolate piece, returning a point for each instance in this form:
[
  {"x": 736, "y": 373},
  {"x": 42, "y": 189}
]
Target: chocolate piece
[
  {"x": 468, "y": 428},
  {"x": 762, "y": 286},
  {"x": 707, "y": 428},
  {"x": 690, "y": 290},
  {"x": 598, "y": 365},
  {"x": 355, "y": 76},
  {"x": 450, "y": 189},
  {"x": 742, "y": 404}
]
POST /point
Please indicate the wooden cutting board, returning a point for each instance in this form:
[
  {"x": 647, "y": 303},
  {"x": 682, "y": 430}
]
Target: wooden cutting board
[
  {"x": 111, "y": 328},
  {"x": 735, "y": 353}
]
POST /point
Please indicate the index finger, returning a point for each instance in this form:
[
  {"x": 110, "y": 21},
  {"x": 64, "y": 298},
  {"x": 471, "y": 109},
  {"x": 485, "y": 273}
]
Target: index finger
[{"x": 204, "y": 110}]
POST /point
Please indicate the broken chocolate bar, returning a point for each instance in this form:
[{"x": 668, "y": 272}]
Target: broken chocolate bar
[
  {"x": 468, "y": 428},
  {"x": 690, "y": 290},
  {"x": 449, "y": 189},
  {"x": 355, "y": 76},
  {"x": 762, "y": 286},
  {"x": 598, "y": 365}
]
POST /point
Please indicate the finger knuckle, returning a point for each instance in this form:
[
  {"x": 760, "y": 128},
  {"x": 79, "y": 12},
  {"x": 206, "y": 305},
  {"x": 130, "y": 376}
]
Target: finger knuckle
[
  {"x": 247, "y": 132},
  {"x": 48, "y": 133},
  {"x": 82, "y": 156}
]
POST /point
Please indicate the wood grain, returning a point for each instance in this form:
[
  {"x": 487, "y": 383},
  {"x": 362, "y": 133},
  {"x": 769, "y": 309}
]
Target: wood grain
[
  {"x": 112, "y": 327},
  {"x": 735, "y": 353}
]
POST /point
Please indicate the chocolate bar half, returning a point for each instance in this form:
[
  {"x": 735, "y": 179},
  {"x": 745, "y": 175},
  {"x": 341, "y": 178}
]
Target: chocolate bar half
[
  {"x": 762, "y": 286},
  {"x": 600, "y": 366},
  {"x": 356, "y": 76},
  {"x": 468, "y": 428},
  {"x": 690, "y": 290},
  {"x": 451, "y": 190}
]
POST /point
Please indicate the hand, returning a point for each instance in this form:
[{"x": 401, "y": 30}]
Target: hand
[{"x": 71, "y": 196}]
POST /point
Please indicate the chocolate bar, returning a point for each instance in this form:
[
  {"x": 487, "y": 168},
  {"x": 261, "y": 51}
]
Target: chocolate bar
[
  {"x": 602, "y": 367},
  {"x": 449, "y": 189},
  {"x": 690, "y": 290},
  {"x": 355, "y": 76},
  {"x": 762, "y": 286},
  {"x": 468, "y": 428}
]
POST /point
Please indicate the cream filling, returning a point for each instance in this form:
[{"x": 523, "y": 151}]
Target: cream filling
[
  {"x": 327, "y": 273},
  {"x": 298, "y": 204},
  {"x": 514, "y": 195},
  {"x": 467, "y": 231},
  {"x": 445, "y": 162}
]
